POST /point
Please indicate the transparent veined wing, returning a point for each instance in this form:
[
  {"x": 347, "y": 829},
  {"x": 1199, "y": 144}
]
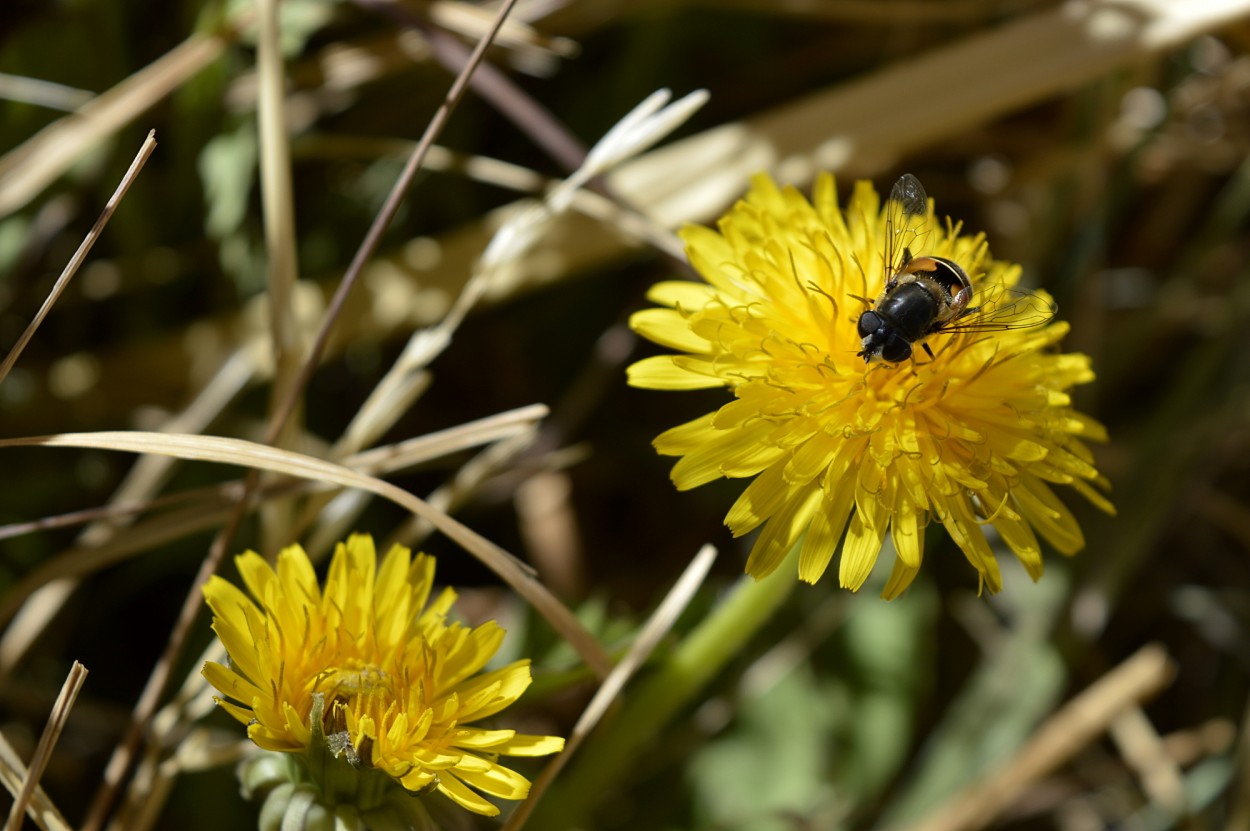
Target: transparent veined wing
[
  {"x": 904, "y": 217},
  {"x": 999, "y": 308}
]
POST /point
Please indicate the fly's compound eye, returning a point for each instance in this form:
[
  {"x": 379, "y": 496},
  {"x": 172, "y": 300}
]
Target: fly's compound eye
[{"x": 869, "y": 322}]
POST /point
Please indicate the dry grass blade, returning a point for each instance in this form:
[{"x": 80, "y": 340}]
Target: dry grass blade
[
  {"x": 472, "y": 21},
  {"x": 492, "y": 171},
  {"x": 71, "y": 268},
  {"x": 195, "y": 749},
  {"x": 278, "y": 212},
  {"x": 262, "y": 457},
  {"x": 154, "y": 781},
  {"x": 1239, "y": 803},
  {"x": 635, "y": 224},
  {"x": 276, "y": 196},
  {"x": 516, "y": 235},
  {"x": 56, "y": 723},
  {"x": 406, "y": 378},
  {"x": 382, "y": 221},
  {"x": 659, "y": 624},
  {"x": 467, "y": 479},
  {"x": 30, "y": 616},
  {"x": 1143, "y": 749},
  {"x": 1075, "y": 725},
  {"x": 547, "y": 521},
  {"x": 887, "y": 12},
  {"x": 42, "y": 93},
  {"x": 494, "y": 86},
  {"x": 203, "y": 509},
  {"x": 452, "y": 440},
  {"x": 41, "y": 809},
  {"x": 173, "y": 730},
  {"x": 26, "y": 170},
  {"x": 335, "y": 515},
  {"x": 134, "y": 494},
  {"x": 278, "y": 204}
]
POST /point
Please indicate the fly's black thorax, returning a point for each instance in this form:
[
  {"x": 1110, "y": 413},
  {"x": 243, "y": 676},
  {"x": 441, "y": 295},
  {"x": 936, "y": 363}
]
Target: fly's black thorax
[{"x": 911, "y": 309}]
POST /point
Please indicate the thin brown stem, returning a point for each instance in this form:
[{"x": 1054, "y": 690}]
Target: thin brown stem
[
  {"x": 56, "y": 724},
  {"x": 76, "y": 261},
  {"x": 535, "y": 120}
]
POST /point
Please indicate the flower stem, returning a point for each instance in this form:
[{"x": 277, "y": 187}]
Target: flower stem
[{"x": 676, "y": 682}]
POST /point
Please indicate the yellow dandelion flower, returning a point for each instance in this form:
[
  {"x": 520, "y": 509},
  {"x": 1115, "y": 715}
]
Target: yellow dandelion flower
[
  {"x": 397, "y": 684},
  {"x": 845, "y": 449}
]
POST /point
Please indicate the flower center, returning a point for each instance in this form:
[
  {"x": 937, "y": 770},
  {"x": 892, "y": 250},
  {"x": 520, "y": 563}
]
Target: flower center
[
  {"x": 350, "y": 689},
  {"x": 355, "y": 678}
]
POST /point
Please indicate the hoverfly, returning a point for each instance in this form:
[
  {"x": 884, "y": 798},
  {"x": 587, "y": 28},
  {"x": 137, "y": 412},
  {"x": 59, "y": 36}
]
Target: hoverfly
[{"x": 928, "y": 294}]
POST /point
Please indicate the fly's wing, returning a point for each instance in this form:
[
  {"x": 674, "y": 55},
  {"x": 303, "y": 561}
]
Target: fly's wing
[
  {"x": 904, "y": 216},
  {"x": 1005, "y": 308}
]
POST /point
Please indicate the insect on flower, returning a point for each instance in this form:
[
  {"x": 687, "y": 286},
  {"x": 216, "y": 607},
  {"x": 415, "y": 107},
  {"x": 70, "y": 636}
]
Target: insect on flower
[
  {"x": 926, "y": 294},
  {"x": 843, "y": 456}
]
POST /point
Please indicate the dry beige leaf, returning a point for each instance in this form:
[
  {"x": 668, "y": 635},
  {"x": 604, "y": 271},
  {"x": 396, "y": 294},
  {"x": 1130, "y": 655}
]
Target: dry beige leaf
[{"x": 262, "y": 457}]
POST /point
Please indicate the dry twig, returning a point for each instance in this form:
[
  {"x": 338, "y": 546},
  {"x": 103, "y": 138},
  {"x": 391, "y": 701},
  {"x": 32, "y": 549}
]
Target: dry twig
[
  {"x": 1073, "y": 727},
  {"x": 56, "y": 723}
]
